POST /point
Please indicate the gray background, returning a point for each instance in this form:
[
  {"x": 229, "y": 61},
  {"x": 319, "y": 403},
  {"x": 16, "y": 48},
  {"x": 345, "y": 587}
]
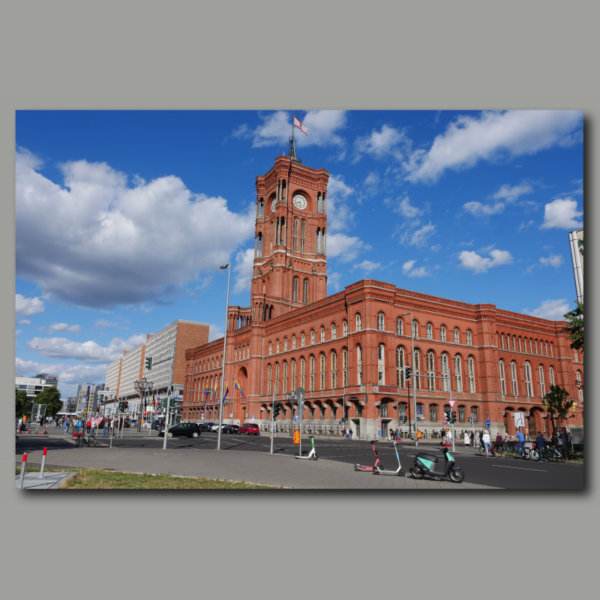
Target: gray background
[{"x": 302, "y": 55}]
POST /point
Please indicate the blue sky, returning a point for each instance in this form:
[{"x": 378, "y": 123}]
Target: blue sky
[{"x": 123, "y": 217}]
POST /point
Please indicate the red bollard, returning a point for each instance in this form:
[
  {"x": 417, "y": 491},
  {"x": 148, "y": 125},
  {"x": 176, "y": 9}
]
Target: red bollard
[
  {"x": 23, "y": 465},
  {"x": 43, "y": 463}
]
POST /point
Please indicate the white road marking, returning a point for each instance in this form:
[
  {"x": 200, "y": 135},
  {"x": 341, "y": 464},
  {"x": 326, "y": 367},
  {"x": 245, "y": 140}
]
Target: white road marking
[{"x": 520, "y": 468}]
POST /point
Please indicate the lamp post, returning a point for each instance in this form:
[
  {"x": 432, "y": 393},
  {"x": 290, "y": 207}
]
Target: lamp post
[
  {"x": 228, "y": 267},
  {"x": 414, "y": 373}
]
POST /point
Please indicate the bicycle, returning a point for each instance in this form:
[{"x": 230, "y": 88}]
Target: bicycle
[{"x": 86, "y": 438}]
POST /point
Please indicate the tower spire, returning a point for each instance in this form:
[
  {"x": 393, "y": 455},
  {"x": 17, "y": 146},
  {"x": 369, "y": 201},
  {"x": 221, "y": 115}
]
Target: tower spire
[{"x": 292, "y": 154}]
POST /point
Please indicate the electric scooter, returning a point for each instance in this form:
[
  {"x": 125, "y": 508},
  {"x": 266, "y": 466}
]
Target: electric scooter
[
  {"x": 312, "y": 455},
  {"x": 377, "y": 464},
  {"x": 426, "y": 464},
  {"x": 379, "y": 470}
]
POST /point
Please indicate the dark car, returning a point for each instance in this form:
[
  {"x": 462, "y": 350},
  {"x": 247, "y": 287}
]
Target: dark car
[
  {"x": 158, "y": 425},
  {"x": 182, "y": 430},
  {"x": 205, "y": 426},
  {"x": 233, "y": 429},
  {"x": 249, "y": 429}
]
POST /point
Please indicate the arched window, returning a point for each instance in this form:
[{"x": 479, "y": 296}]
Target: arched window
[
  {"x": 542, "y": 382},
  {"x": 293, "y": 375},
  {"x": 576, "y": 354},
  {"x": 302, "y": 236},
  {"x": 551, "y": 371},
  {"x": 359, "y": 364},
  {"x": 430, "y": 371},
  {"x": 445, "y": 372},
  {"x": 381, "y": 364},
  {"x": 345, "y": 366},
  {"x": 528, "y": 383},
  {"x": 358, "y": 322},
  {"x": 551, "y": 349},
  {"x": 305, "y": 292},
  {"x": 294, "y": 342},
  {"x": 277, "y": 378},
  {"x": 514, "y": 341},
  {"x": 312, "y": 373},
  {"x": 285, "y": 374},
  {"x": 520, "y": 347},
  {"x": 322, "y": 334},
  {"x": 579, "y": 385},
  {"x": 269, "y": 375},
  {"x": 312, "y": 337},
  {"x": 443, "y": 333},
  {"x": 471, "y": 371},
  {"x": 323, "y": 371},
  {"x": 502, "y": 377},
  {"x": 270, "y": 348},
  {"x": 333, "y": 331},
  {"x": 433, "y": 412},
  {"x": 469, "y": 338},
  {"x": 415, "y": 329},
  {"x": 461, "y": 414},
  {"x": 400, "y": 373},
  {"x": 277, "y": 346},
  {"x": 334, "y": 370},
  {"x": 536, "y": 347},
  {"x": 546, "y": 347},
  {"x": 513, "y": 377},
  {"x": 295, "y": 236},
  {"x": 295, "y": 290},
  {"x": 285, "y": 344},
  {"x": 302, "y": 372},
  {"x": 429, "y": 331},
  {"x": 416, "y": 370},
  {"x": 456, "y": 336},
  {"x": 502, "y": 341},
  {"x": 530, "y": 346},
  {"x": 458, "y": 373},
  {"x": 345, "y": 328},
  {"x": 402, "y": 411},
  {"x": 474, "y": 414},
  {"x": 302, "y": 340},
  {"x": 399, "y": 326},
  {"x": 380, "y": 322}
]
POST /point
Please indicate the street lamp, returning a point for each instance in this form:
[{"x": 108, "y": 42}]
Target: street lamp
[
  {"x": 414, "y": 374},
  {"x": 228, "y": 267}
]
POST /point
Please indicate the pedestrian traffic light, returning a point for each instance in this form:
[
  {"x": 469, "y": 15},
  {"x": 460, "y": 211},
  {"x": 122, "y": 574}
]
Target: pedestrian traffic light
[
  {"x": 149, "y": 363},
  {"x": 277, "y": 407},
  {"x": 407, "y": 373}
]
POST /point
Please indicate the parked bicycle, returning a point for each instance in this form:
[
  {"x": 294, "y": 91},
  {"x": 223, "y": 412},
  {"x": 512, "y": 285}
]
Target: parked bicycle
[{"x": 85, "y": 438}]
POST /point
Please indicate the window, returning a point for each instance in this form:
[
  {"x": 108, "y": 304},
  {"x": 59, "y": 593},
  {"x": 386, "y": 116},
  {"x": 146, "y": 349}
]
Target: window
[
  {"x": 469, "y": 338},
  {"x": 302, "y": 235},
  {"x": 358, "y": 322},
  {"x": 551, "y": 370},
  {"x": 542, "y": 382},
  {"x": 302, "y": 340},
  {"x": 461, "y": 414},
  {"x": 551, "y": 349},
  {"x": 502, "y": 341},
  {"x": 471, "y": 370},
  {"x": 433, "y": 412},
  {"x": 269, "y": 373},
  {"x": 294, "y": 342},
  {"x": 458, "y": 373},
  {"x": 322, "y": 334},
  {"x": 528, "y": 384},
  {"x": 305, "y": 292},
  {"x": 520, "y": 347},
  {"x": 312, "y": 373},
  {"x": 345, "y": 366},
  {"x": 513, "y": 377},
  {"x": 333, "y": 331},
  {"x": 381, "y": 364},
  {"x": 502, "y": 378},
  {"x": 334, "y": 370},
  {"x": 416, "y": 370},
  {"x": 576, "y": 354},
  {"x": 400, "y": 367},
  {"x": 429, "y": 331},
  {"x": 270, "y": 348},
  {"x": 546, "y": 346},
  {"x": 345, "y": 327},
  {"x": 323, "y": 371},
  {"x": 456, "y": 336},
  {"x": 295, "y": 290},
  {"x": 383, "y": 410},
  {"x": 430, "y": 371},
  {"x": 474, "y": 414},
  {"x": 399, "y": 326},
  {"x": 380, "y": 322},
  {"x": 285, "y": 344},
  {"x": 277, "y": 378},
  {"x": 312, "y": 337},
  {"x": 277, "y": 346},
  {"x": 359, "y": 364},
  {"x": 445, "y": 372},
  {"x": 285, "y": 374},
  {"x": 415, "y": 329},
  {"x": 579, "y": 385},
  {"x": 402, "y": 410},
  {"x": 293, "y": 375},
  {"x": 443, "y": 333},
  {"x": 302, "y": 372},
  {"x": 536, "y": 348}
]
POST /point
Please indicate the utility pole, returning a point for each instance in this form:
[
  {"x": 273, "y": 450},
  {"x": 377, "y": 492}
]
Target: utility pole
[{"x": 228, "y": 267}]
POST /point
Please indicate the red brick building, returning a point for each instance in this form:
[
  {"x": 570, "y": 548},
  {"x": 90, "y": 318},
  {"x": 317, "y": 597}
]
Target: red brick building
[{"x": 349, "y": 350}]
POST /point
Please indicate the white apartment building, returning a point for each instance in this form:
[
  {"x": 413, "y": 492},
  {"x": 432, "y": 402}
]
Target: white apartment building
[{"x": 33, "y": 386}]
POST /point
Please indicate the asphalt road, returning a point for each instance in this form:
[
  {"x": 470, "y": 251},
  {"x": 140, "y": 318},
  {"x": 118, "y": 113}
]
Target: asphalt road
[{"x": 497, "y": 472}]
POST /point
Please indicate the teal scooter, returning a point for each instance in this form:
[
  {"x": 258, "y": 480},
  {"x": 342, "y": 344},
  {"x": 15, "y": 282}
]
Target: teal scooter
[
  {"x": 379, "y": 470},
  {"x": 427, "y": 464},
  {"x": 312, "y": 455}
]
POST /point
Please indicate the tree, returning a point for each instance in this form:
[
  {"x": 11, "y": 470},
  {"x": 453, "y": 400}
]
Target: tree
[
  {"x": 51, "y": 398},
  {"x": 575, "y": 327},
  {"x": 556, "y": 402},
  {"x": 22, "y": 403}
]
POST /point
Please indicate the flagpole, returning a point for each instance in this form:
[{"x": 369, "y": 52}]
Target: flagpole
[{"x": 233, "y": 399}]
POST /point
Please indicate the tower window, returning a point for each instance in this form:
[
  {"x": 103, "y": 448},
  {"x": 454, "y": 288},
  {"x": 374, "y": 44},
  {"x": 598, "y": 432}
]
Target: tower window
[
  {"x": 305, "y": 292},
  {"x": 295, "y": 290},
  {"x": 302, "y": 236}
]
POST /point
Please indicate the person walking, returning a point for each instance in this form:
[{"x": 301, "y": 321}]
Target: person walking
[
  {"x": 472, "y": 436},
  {"x": 467, "y": 439},
  {"x": 477, "y": 439},
  {"x": 106, "y": 425},
  {"x": 521, "y": 439},
  {"x": 350, "y": 434},
  {"x": 487, "y": 442},
  {"x": 66, "y": 425},
  {"x": 540, "y": 442}
]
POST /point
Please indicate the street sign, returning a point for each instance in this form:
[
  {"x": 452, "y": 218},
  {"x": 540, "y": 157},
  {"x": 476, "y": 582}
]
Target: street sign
[
  {"x": 296, "y": 418},
  {"x": 203, "y": 415},
  {"x": 253, "y": 417},
  {"x": 299, "y": 393},
  {"x": 488, "y": 422},
  {"x": 379, "y": 432},
  {"x": 452, "y": 403}
]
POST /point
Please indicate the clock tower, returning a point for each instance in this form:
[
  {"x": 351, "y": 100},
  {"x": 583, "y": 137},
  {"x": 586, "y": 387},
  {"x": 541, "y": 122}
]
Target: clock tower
[{"x": 290, "y": 264}]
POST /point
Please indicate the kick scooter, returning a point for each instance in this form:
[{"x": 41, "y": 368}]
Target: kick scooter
[
  {"x": 379, "y": 470},
  {"x": 312, "y": 455},
  {"x": 377, "y": 464}
]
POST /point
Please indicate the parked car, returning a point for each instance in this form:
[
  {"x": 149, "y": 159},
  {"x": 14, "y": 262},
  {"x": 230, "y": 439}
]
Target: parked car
[
  {"x": 182, "y": 430},
  {"x": 233, "y": 429},
  {"x": 249, "y": 429},
  {"x": 205, "y": 426},
  {"x": 215, "y": 427},
  {"x": 158, "y": 425}
]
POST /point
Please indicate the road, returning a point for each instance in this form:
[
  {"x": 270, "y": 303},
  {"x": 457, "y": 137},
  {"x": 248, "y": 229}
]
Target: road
[{"x": 496, "y": 472}]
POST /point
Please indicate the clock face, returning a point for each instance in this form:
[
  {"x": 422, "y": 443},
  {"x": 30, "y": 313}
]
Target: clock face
[
  {"x": 300, "y": 202},
  {"x": 273, "y": 204}
]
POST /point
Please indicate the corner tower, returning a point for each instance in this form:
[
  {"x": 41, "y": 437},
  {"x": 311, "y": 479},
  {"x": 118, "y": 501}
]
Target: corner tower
[{"x": 290, "y": 264}]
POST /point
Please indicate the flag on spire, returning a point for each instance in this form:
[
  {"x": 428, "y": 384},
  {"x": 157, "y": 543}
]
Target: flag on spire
[{"x": 300, "y": 125}]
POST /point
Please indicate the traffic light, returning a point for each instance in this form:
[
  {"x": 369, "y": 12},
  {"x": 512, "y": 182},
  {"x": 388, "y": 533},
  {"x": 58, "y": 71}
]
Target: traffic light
[
  {"x": 447, "y": 416},
  {"x": 402, "y": 419},
  {"x": 126, "y": 406},
  {"x": 471, "y": 420},
  {"x": 453, "y": 417},
  {"x": 407, "y": 373},
  {"x": 276, "y": 410},
  {"x": 149, "y": 363}
]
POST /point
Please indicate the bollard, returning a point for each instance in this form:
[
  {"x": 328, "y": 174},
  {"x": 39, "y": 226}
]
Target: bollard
[
  {"x": 43, "y": 463},
  {"x": 23, "y": 465}
]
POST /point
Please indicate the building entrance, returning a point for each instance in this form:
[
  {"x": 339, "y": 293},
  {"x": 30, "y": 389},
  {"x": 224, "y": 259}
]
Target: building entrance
[{"x": 356, "y": 424}]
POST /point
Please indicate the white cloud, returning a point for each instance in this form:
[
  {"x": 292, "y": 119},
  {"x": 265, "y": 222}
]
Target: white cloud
[
  {"x": 344, "y": 247},
  {"x": 554, "y": 310},
  {"x": 368, "y": 266},
  {"x": 495, "y": 134},
  {"x": 407, "y": 266},
  {"x": 28, "y": 306},
  {"x": 243, "y": 270},
  {"x": 562, "y": 214},
  {"x": 512, "y": 194},
  {"x": 526, "y": 225},
  {"x": 103, "y": 324},
  {"x": 372, "y": 182},
  {"x": 387, "y": 141},
  {"x": 484, "y": 210},
  {"x": 276, "y": 129},
  {"x": 215, "y": 332},
  {"x": 417, "y": 237},
  {"x": 473, "y": 261},
  {"x": 333, "y": 280},
  {"x": 406, "y": 209},
  {"x": 18, "y": 331},
  {"x": 339, "y": 215},
  {"x": 63, "y": 327},
  {"x": 102, "y": 230},
  {"x": 24, "y": 322},
  {"x": 554, "y": 260},
  {"x": 407, "y": 269},
  {"x": 87, "y": 352}
]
